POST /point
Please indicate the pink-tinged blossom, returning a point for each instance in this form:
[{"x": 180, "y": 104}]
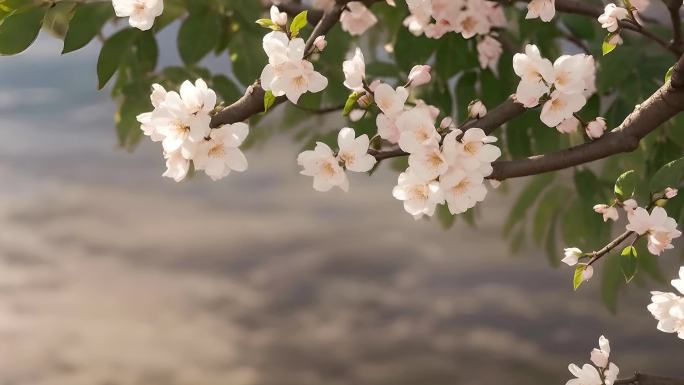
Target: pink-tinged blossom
[
  {"x": 660, "y": 228},
  {"x": 543, "y": 9},
  {"x": 489, "y": 51},
  {"x": 419, "y": 75},
  {"x": 220, "y": 154},
  {"x": 596, "y": 128},
  {"x": 611, "y": 16},
  {"x": 354, "y": 151},
  {"x": 608, "y": 212},
  {"x": 321, "y": 164},
  {"x": 357, "y": 18},
  {"x": 140, "y": 13},
  {"x": 420, "y": 196}
]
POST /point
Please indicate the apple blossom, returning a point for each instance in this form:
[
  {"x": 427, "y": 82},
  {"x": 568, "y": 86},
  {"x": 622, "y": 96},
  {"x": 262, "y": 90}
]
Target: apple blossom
[
  {"x": 489, "y": 51},
  {"x": 543, "y": 9},
  {"x": 356, "y": 18},
  {"x": 569, "y": 73},
  {"x": 476, "y": 109},
  {"x": 420, "y": 196},
  {"x": 473, "y": 152},
  {"x": 629, "y": 206},
  {"x": 354, "y": 71},
  {"x": 179, "y": 127},
  {"x": 596, "y": 128},
  {"x": 561, "y": 106},
  {"x": 321, "y": 164},
  {"x": 529, "y": 92},
  {"x": 177, "y": 166},
  {"x": 612, "y": 14},
  {"x": 572, "y": 255},
  {"x": 611, "y": 374},
  {"x": 220, "y": 154},
  {"x": 140, "y": 13},
  {"x": 419, "y": 75},
  {"x": 387, "y": 128},
  {"x": 354, "y": 151},
  {"x": 608, "y": 212},
  {"x": 600, "y": 356},
  {"x": 532, "y": 67}
]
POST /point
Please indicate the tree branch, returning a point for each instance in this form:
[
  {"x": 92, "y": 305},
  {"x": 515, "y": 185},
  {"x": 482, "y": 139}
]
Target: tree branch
[
  {"x": 648, "y": 379},
  {"x": 252, "y": 102},
  {"x": 674, "y": 6},
  {"x": 664, "y": 104}
]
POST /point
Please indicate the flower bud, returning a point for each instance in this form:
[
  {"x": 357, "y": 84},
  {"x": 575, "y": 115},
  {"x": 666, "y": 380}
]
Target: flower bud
[
  {"x": 588, "y": 273},
  {"x": 420, "y": 75},
  {"x": 365, "y": 101},
  {"x": 476, "y": 109},
  {"x": 320, "y": 43},
  {"x": 572, "y": 255},
  {"x": 446, "y": 123},
  {"x": 596, "y": 128},
  {"x": 277, "y": 17},
  {"x": 616, "y": 39},
  {"x": 670, "y": 192}
]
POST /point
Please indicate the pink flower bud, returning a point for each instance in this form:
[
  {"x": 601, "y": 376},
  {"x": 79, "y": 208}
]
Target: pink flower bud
[
  {"x": 476, "y": 109},
  {"x": 446, "y": 123},
  {"x": 596, "y": 128},
  {"x": 420, "y": 75},
  {"x": 320, "y": 43},
  {"x": 670, "y": 192},
  {"x": 588, "y": 273}
]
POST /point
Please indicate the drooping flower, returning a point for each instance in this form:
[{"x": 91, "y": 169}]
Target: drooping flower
[
  {"x": 572, "y": 255},
  {"x": 140, "y": 13}
]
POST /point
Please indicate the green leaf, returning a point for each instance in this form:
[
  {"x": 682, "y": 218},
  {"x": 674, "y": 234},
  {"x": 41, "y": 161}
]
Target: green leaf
[
  {"x": 625, "y": 185},
  {"x": 267, "y": 23},
  {"x": 351, "y": 102},
  {"x": 298, "y": 23},
  {"x": 668, "y": 74},
  {"x": 608, "y": 47},
  {"x": 86, "y": 23},
  {"x": 269, "y": 100},
  {"x": 577, "y": 278},
  {"x": 670, "y": 175},
  {"x": 612, "y": 281},
  {"x": 19, "y": 30},
  {"x": 628, "y": 262},
  {"x": 113, "y": 53},
  {"x": 198, "y": 35}
]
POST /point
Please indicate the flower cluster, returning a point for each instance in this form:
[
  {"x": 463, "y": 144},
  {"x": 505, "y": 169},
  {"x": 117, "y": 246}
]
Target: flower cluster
[
  {"x": 181, "y": 122},
  {"x": 601, "y": 373},
  {"x": 659, "y": 228},
  {"x": 470, "y": 18},
  {"x": 288, "y": 72},
  {"x": 668, "y": 308},
  {"x": 140, "y": 13},
  {"x": 563, "y": 86},
  {"x": 327, "y": 168}
]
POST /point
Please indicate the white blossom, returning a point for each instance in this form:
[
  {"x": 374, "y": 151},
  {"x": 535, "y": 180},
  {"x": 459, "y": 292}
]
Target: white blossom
[
  {"x": 428, "y": 162},
  {"x": 357, "y": 18},
  {"x": 476, "y": 109},
  {"x": 568, "y": 125},
  {"x": 354, "y": 151},
  {"x": 671, "y": 192},
  {"x": 561, "y": 106},
  {"x": 419, "y": 75},
  {"x": 420, "y": 196},
  {"x": 612, "y": 14},
  {"x": 354, "y": 71},
  {"x": 660, "y": 228},
  {"x": 572, "y": 255},
  {"x": 600, "y": 356},
  {"x": 321, "y": 164},
  {"x": 668, "y": 308},
  {"x": 417, "y": 129},
  {"x": 596, "y": 128},
  {"x": 608, "y": 212},
  {"x": 587, "y": 375},
  {"x": 462, "y": 189},
  {"x": 140, "y": 13},
  {"x": 543, "y": 9},
  {"x": 220, "y": 154},
  {"x": 390, "y": 101},
  {"x": 277, "y": 17},
  {"x": 489, "y": 51}
]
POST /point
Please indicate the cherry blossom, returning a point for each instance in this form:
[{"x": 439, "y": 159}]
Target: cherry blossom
[
  {"x": 140, "y": 13},
  {"x": 462, "y": 189},
  {"x": 569, "y": 73},
  {"x": 561, "y": 106},
  {"x": 660, "y": 228},
  {"x": 417, "y": 129},
  {"x": 671, "y": 192},
  {"x": 428, "y": 162},
  {"x": 434, "y": 18},
  {"x": 587, "y": 375},
  {"x": 600, "y": 356},
  {"x": 320, "y": 43},
  {"x": 568, "y": 125},
  {"x": 277, "y": 17},
  {"x": 420, "y": 196},
  {"x": 356, "y": 18},
  {"x": 354, "y": 151},
  {"x": 387, "y": 128},
  {"x": 474, "y": 152},
  {"x": 532, "y": 67},
  {"x": 354, "y": 71},
  {"x": 668, "y": 308},
  {"x": 390, "y": 101},
  {"x": 572, "y": 255},
  {"x": 543, "y": 9},
  {"x": 608, "y": 212},
  {"x": 489, "y": 51},
  {"x": 612, "y": 14},
  {"x": 287, "y": 73},
  {"x": 177, "y": 166},
  {"x": 321, "y": 164},
  {"x": 220, "y": 154}
]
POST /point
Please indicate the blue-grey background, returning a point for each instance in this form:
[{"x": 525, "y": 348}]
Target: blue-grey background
[{"x": 110, "y": 274}]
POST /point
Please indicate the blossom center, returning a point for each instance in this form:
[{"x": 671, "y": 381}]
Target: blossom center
[
  {"x": 461, "y": 187},
  {"x": 218, "y": 151}
]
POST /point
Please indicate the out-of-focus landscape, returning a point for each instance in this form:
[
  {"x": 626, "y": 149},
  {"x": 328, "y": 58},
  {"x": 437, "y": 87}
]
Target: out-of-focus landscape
[{"x": 113, "y": 275}]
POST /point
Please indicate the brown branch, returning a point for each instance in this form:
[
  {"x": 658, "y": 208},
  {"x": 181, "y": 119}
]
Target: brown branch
[
  {"x": 596, "y": 255},
  {"x": 648, "y": 379},
  {"x": 664, "y": 104},
  {"x": 674, "y": 6}
]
